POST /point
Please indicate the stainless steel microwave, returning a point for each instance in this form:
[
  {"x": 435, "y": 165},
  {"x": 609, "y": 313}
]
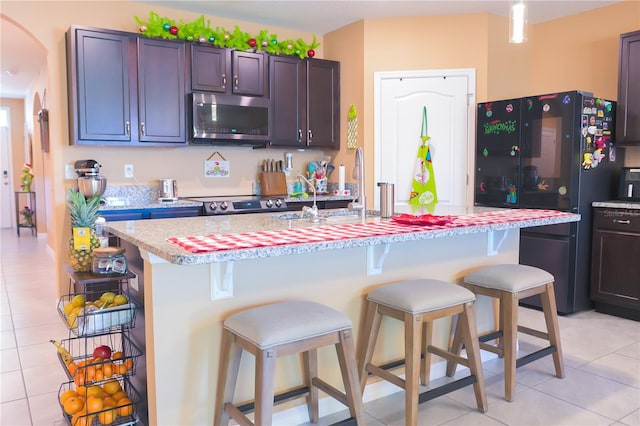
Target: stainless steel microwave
[{"x": 229, "y": 119}]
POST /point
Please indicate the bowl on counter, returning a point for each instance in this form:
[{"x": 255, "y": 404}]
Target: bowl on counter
[{"x": 91, "y": 186}]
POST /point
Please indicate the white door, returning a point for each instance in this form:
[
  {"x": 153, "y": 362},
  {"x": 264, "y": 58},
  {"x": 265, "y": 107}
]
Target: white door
[
  {"x": 449, "y": 96},
  {"x": 7, "y": 212}
]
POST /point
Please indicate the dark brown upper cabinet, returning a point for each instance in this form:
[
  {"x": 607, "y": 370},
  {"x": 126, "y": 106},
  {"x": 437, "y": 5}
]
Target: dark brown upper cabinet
[
  {"x": 628, "y": 108},
  {"x": 222, "y": 70},
  {"x": 125, "y": 90},
  {"x": 305, "y": 102}
]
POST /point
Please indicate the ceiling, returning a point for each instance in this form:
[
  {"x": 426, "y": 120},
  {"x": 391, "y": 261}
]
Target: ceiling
[{"x": 22, "y": 57}]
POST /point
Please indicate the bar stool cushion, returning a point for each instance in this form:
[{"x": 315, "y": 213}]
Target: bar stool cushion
[
  {"x": 511, "y": 277},
  {"x": 286, "y": 322},
  {"x": 419, "y": 296}
]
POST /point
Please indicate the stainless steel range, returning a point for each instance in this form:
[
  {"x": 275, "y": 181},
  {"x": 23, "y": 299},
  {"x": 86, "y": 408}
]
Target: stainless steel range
[{"x": 238, "y": 204}]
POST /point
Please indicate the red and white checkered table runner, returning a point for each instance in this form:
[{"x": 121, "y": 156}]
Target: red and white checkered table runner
[{"x": 221, "y": 242}]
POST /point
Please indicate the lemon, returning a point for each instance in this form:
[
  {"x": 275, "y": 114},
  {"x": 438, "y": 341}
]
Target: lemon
[
  {"x": 108, "y": 297},
  {"x": 68, "y": 308},
  {"x": 71, "y": 319},
  {"x": 120, "y": 299},
  {"x": 78, "y": 300}
]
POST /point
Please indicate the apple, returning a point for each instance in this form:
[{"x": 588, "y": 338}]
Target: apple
[{"x": 103, "y": 352}]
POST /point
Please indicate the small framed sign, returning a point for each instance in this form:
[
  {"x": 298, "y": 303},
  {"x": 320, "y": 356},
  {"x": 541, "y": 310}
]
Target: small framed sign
[{"x": 216, "y": 168}]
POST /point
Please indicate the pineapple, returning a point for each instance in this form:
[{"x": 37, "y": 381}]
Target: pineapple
[{"x": 83, "y": 215}]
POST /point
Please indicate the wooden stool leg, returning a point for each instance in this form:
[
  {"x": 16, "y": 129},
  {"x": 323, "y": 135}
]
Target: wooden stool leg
[
  {"x": 369, "y": 334},
  {"x": 455, "y": 347},
  {"x": 265, "y": 386},
  {"x": 310, "y": 366},
  {"x": 509, "y": 305},
  {"x": 412, "y": 337},
  {"x": 427, "y": 337},
  {"x": 500, "y": 341},
  {"x": 469, "y": 330},
  {"x": 553, "y": 329},
  {"x": 229, "y": 367},
  {"x": 345, "y": 350}
]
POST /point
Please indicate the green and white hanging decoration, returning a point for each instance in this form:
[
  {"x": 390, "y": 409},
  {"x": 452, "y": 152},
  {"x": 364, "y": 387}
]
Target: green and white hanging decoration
[
  {"x": 352, "y": 128},
  {"x": 201, "y": 32},
  {"x": 424, "y": 194}
]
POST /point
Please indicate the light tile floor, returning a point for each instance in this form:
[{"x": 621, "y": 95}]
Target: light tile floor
[{"x": 602, "y": 361}]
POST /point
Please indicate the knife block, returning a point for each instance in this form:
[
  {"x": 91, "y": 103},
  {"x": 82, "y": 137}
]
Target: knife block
[{"x": 273, "y": 183}]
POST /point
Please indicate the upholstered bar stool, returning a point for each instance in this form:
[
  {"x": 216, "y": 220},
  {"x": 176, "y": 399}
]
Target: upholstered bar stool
[
  {"x": 282, "y": 329},
  {"x": 418, "y": 303},
  {"x": 509, "y": 284}
]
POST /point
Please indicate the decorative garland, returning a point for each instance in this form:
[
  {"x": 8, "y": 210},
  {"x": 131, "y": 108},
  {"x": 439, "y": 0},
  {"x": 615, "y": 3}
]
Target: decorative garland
[{"x": 199, "y": 31}]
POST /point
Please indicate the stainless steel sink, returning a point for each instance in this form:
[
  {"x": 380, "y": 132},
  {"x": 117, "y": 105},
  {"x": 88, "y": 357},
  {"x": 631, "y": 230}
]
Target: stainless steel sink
[{"x": 333, "y": 215}]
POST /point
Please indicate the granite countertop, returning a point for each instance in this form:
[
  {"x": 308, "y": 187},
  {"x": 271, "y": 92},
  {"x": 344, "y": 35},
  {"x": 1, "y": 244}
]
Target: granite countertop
[
  {"x": 153, "y": 235},
  {"x": 614, "y": 204}
]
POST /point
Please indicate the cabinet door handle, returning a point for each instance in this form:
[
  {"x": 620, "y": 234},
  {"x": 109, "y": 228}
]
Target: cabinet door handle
[
  {"x": 310, "y": 136},
  {"x": 224, "y": 80},
  {"x": 623, "y": 222},
  {"x": 299, "y": 135},
  {"x": 127, "y": 127},
  {"x": 142, "y": 128},
  {"x": 235, "y": 81}
]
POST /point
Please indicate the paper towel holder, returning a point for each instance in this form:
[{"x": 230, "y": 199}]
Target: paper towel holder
[{"x": 288, "y": 163}]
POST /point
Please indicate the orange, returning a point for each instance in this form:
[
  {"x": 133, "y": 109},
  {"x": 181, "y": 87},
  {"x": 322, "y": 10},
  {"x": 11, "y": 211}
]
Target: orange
[
  {"x": 99, "y": 375},
  {"x": 79, "y": 377},
  {"x": 67, "y": 394},
  {"x": 119, "y": 395},
  {"x": 94, "y": 391},
  {"x": 109, "y": 401},
  {"x": 82, "y": 419},
  {"x": 111, "y": 387},
  {"x": 107, "y": 369},
  {"x": 91, "y": 373},
  {"x": 125, "y": 407},
  {"x": 94, "y": 404},
  {"x": 128, "y": 363},
  {"x": 72, "y": 368},
  {"x": 81, "y": 391},
  {"x": 121, "y": 369},
  {"x": 72, "y": 405},
  {"x": 108, "y": 416},
  {"x": 117, "y": 355}
]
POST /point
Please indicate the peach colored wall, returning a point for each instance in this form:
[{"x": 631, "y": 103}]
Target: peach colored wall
[
  {"x": 347, "y": 46},
  {"x": 509, "y": 65},
  {"x": 581, "y": 51}
]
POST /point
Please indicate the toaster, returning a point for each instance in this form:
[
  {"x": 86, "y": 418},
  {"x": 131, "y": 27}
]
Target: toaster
[{"x": 629, "y": 189}]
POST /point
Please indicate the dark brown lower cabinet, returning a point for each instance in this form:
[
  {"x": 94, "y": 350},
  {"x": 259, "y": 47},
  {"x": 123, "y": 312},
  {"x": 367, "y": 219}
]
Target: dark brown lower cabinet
[{"x": 615, "y": 268}]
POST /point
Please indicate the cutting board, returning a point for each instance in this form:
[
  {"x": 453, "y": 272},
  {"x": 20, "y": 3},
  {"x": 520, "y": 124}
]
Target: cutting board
[{"x": 273, "y": 183}]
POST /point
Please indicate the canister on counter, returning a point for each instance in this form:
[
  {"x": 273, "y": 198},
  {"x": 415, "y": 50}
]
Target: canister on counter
[{"x": 109, "y": 261}]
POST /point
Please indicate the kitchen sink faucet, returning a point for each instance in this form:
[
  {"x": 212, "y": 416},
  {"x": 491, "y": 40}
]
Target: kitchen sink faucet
[
  {"x": 359, "y": 170},
  {"x": 311, "y": 211}
]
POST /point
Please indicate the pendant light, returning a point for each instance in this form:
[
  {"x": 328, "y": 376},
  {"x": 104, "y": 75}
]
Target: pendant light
[{"x": 518, "y": 22}]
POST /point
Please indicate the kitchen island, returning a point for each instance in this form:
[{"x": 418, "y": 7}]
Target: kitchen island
[{"x": 238, "y": 262}]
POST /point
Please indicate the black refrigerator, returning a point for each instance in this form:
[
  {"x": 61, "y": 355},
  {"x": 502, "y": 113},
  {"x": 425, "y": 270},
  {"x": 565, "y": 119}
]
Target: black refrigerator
[{"x": 554, "y": 151}]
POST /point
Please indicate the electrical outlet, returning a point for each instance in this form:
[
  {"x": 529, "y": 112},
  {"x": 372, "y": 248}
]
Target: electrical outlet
[
  {"x": 128, "y": 170},
  {"x": 69, "y": 172}
]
